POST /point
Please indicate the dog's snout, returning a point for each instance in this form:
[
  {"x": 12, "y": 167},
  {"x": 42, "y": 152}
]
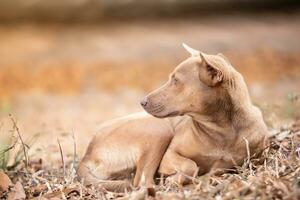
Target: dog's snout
[{"x": 144, "y": 102}]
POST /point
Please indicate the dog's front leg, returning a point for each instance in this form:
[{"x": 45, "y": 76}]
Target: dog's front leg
[
  {"x": 179, "y": 167},
  {"x": 144, "y": 177},
  {"x": 148, "y": 164}
]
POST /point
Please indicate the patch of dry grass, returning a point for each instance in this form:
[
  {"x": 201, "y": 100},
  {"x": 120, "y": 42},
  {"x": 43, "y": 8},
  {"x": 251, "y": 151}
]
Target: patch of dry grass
[{"x": 273, "y": 175}]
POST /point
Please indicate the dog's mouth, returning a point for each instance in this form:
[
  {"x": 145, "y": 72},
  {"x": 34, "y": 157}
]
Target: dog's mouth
[
  {"x": 172, "y": 114},
  {"x": 158, "y": 111},
  {"x": 154, "y": 110}
]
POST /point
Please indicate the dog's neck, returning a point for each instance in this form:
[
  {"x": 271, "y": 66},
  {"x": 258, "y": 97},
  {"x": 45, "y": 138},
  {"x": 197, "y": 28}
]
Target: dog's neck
[{"x": 227, "y": 117}]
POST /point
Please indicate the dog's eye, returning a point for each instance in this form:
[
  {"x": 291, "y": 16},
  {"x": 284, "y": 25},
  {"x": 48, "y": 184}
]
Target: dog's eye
[{"x": 175, "y": 80}]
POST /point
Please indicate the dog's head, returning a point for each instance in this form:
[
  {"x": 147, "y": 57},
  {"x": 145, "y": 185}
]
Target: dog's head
[{"x": 195, "y": 86}]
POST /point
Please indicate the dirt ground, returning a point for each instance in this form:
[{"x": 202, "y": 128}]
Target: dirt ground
[{"x": 57, "y": 80}]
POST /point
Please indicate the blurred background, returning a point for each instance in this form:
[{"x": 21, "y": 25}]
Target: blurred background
[{"x": 66, "y": 66}]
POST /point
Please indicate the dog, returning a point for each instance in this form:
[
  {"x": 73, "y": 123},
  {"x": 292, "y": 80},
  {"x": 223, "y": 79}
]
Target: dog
[{"x": 201, "y": 119}]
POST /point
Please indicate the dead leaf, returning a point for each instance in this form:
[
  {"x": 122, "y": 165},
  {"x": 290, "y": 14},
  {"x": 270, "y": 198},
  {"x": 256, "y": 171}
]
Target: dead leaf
[
  {"x": 5, "y": 181},
  {"x": 75, "y": 191},
  {"x": 17, "y": 192}
]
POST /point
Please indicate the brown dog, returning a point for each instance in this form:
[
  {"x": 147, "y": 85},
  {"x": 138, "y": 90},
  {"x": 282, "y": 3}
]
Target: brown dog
[
  {"x": 221, "y": 123},
  {"x": 219, "y": 128}
]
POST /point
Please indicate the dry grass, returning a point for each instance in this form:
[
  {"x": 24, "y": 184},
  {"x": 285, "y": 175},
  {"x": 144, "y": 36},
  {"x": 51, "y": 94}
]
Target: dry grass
[
  {"x": 273, "y": 175},
  {"x": 54, "y": 62}
]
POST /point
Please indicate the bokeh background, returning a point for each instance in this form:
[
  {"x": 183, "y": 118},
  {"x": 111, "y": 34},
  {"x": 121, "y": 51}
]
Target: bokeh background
[{"x": 66, "y": 66}]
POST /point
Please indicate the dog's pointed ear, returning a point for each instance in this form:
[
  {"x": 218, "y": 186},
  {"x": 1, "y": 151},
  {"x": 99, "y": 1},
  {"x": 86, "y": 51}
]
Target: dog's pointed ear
[
  {"x": 192, "y": 51},
  {"x": 224, "y": 57},
  {"x": 210, "y": 74}
]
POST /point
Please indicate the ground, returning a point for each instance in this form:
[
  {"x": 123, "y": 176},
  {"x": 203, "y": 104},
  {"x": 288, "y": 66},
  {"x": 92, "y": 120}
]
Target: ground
[{"x": 58, "y": 81}]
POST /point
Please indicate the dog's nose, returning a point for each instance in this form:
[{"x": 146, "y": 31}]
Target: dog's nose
[{"x": 144, "y": 102}]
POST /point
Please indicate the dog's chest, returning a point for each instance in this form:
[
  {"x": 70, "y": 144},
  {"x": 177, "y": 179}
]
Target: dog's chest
[{"x": 191, "y": 144}]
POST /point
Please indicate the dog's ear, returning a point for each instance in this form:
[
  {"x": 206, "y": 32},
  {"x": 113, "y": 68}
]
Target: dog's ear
[
  {"x": 210, "y": 74},
  {"x": 193, "y": 52},
  {"x": 224, "y": 57}
]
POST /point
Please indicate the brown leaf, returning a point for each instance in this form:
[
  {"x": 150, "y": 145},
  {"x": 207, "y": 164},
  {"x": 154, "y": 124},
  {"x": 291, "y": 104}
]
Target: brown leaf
[
  {"x": 36, "y": 191},
  {"x": 66, "y": 191},
  {"x": 17, "y": 192},
  {"x": 5, "y": 181}
]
